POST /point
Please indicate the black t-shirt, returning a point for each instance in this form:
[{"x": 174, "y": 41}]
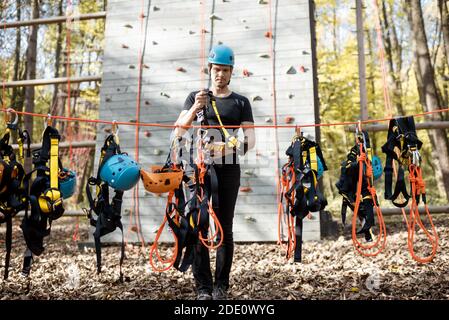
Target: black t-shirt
[{"x": 233, "y": 110}]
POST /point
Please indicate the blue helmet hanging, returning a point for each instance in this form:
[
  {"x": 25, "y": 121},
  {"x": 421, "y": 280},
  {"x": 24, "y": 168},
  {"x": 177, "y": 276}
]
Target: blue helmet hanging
[
  {"x": 221, "y": 54},
  {"x": 320, "y": 168},
  {"x": 67, "y": 183},
  {"x": 377, "y": 167},
  {"x": 121, "y": 172}
]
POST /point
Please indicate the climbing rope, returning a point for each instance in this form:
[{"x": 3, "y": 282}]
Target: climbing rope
[
  {"x": 415, "y": 176},
  {"x": 141, "y": 53},
  {"x": 419, "y": 190},
  {"x": 372, "y": 249}
]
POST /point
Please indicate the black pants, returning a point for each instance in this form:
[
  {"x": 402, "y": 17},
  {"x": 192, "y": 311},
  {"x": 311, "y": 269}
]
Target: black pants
[{"x": 228, "y": 187}]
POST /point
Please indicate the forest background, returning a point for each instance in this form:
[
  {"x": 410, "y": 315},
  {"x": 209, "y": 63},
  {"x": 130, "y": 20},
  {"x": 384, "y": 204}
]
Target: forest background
[{"x": 414, "y": 37}]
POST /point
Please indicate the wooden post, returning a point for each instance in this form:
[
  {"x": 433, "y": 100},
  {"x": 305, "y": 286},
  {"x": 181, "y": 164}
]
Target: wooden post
[
  {"x": 419, "y": 126},
  {"x": 361, "y": 58},
  {"x": 62, "y": 19},
  {"x": 43, "y": 82}
]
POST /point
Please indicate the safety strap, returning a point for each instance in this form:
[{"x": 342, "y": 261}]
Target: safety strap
[
  {"x": 231, "y": 141},
  {"x": 13, "y": 189},
  {"x": 54, "y": 162},
  {"x": 347, "y": 186},
  {"x": 302, "y": 195},
  {"x": 402, "y": 140},
  {"x": 108, "y": 214}
]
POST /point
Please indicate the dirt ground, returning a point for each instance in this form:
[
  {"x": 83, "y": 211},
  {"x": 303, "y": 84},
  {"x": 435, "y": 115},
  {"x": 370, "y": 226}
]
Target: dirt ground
[{"x": 331, "y": 269}]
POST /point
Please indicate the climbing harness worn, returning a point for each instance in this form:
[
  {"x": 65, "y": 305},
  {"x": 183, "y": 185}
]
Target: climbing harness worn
[
  {"x": 300, "y": 189},
  {"x": 356, "y": 185},
  {"x": 403, "y": 147},
  {"x": 13, "y": 185},
  {"x": 116, "y": 170},
  {"x": 45, "y": 195}
]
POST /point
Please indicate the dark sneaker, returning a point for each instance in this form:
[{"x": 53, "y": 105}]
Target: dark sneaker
[
  {"x": 219, "y": 293},
  {"x": 204, "y": 295}
]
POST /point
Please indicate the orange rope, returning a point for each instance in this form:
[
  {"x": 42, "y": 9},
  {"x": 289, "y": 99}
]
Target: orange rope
[
  {"x": 68, "y": 45},
  {"x": 273, "y": 100},
  {"x": 382, "y": 60},
  {"x": 203, "y": 43},
  {"x": 381, "y": 240},
  {"x": 136, "y": 204},
  {"x": 154, "y": 248},
  {"x": 419, "y": 189},
  {"x": 171, "y": 126},
  {"x": 415, "y": 176},
  {"x": 289, "y": 221}
]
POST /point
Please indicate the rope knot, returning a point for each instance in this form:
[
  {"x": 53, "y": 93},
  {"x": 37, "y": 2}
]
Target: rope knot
[
  {"x": 369, "y": 171},
  {"x": 362, "y": 157}
]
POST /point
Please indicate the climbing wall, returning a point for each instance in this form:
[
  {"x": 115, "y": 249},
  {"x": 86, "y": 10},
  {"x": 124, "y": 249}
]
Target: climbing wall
[{"x": 170, "y": 41}]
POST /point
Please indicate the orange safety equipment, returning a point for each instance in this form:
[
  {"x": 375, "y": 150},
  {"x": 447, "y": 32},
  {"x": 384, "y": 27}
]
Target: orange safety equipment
[{"x": 161, "y": 179}]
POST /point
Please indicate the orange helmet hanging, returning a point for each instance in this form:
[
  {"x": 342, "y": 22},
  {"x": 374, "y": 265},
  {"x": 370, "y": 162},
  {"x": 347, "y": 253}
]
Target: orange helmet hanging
[{"x": 161, "y": 180}]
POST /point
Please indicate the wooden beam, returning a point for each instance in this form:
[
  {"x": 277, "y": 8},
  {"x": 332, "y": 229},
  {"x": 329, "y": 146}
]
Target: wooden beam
[
  {"x": 419, "y": 126},
  {"x": 432, "y": 210},
  {"x": 361, "y": 60},
  {"x": 64, "y": 145},
  {"x": 67, "y": 213},
  {"x": 51, "y": 81},
  {"x": 62, "y": 19}
]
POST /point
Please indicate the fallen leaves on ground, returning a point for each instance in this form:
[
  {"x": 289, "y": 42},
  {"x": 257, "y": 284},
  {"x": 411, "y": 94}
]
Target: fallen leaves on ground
[{"x": 331, "y": 269}]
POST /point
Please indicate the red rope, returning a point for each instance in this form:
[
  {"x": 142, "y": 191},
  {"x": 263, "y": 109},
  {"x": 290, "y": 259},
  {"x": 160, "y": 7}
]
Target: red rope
[
  {"x": 261, "y": 126},
  {"x": 382, "y": 60},
  {"x": 273, "y": 100},
  {"x": 136, "y": 203},
  {"x": 203, "y": 44},
  {"x": 70, "y": 21}
]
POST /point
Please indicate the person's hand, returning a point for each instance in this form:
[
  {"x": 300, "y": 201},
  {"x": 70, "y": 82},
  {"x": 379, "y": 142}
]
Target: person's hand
[{"x": 200, "y": 100}]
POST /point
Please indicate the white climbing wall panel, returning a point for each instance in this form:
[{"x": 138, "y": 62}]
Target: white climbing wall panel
[{"x": 173, "y": 41}]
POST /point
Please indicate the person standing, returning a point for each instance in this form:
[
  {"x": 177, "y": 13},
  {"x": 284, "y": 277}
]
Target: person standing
[{"x": 231, "y": 109}]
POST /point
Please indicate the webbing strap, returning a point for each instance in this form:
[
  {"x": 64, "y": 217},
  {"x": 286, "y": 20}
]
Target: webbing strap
[
  {"x": 230, "y": 140},
  {"x": 313, "y": 159},
  {"x": 54, "y": 162}
]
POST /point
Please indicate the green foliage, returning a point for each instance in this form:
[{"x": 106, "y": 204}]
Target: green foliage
[{"x": 339, "y": 91}]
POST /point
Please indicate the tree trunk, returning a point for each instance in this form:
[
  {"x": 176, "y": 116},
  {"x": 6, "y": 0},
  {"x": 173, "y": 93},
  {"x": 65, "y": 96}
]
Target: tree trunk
[
  {"x": 334, "y": 30},
  {"x": 394, "y": 55},
  {"x": 432, "y": 100},
  {"x": 57, "y": 58},
  {"x": 31, "y": 72},
  {"x": 444, "y": 14},
  {"x": 15, "y": 100}
]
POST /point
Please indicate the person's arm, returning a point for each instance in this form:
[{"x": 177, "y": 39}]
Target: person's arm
[
  {"x": 186, "y": 117},
  {"x": 250, "y": 136},
  {"x": 247, "y": 122}
]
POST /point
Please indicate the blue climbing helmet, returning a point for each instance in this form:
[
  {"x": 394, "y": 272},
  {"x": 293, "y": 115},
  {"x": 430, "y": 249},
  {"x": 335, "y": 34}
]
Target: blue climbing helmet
[
  {"x": 320, "y": 168},
  {"x": 221, "y": 54},
  {"x": 121, "y": 172},
  {"x": 377, "y": 167},
  {"x": 67, "y": 183}
]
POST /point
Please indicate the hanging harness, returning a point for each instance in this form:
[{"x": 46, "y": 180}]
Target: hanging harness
[
  {"x": 108, "y": 213},
  {"x": 13, "y": 185},
  {"x": 189, "y": 219},
  {"x": 349, "y": 180},
  {"x": 356, "y": 186},
  {"x": 300, "y": 190},
  {"x": 403, "y": 146},
  {"x": 45, "y": 197}
]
